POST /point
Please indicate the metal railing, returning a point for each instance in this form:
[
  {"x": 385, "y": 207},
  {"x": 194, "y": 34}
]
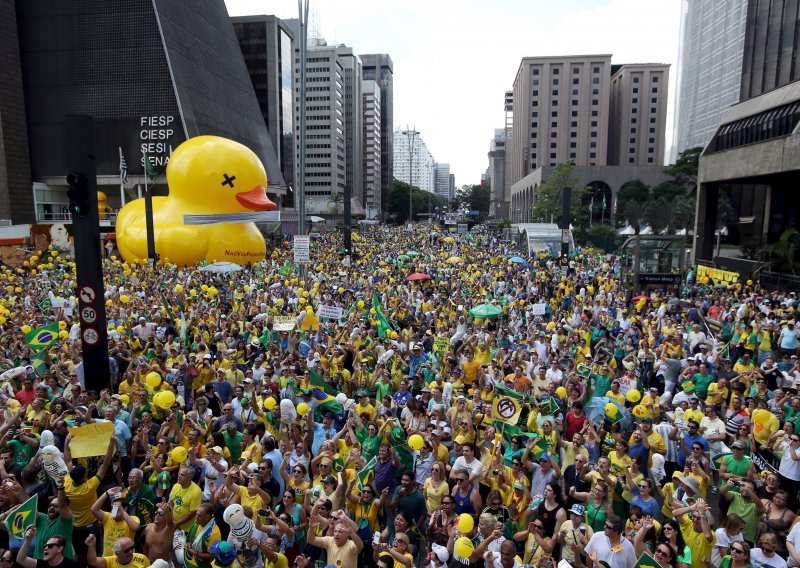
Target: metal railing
[{"x": 67, "y": 218}]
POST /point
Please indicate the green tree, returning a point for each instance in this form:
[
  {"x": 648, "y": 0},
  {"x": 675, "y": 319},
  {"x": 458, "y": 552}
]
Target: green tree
[
  {"x": 684, "y": 170},
  {"x": 337, "y": 199},
  {"x": 548, "y": 198},
  {"x": 631, "y": 200},
  {"x": 474, "y": 197},
  {"x": 398, "y": 202}
]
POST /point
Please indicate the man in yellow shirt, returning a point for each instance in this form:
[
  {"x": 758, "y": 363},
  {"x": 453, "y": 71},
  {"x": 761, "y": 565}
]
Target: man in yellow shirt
[
  {"x": 696, "y": 531},
  {"x": 186, "y": 495},
  {"x": 82, "y": 493},
  {"x": 116, "y": 524},
  {"x": 123, "y": 557},
  {"x": 470, "y": 367}
]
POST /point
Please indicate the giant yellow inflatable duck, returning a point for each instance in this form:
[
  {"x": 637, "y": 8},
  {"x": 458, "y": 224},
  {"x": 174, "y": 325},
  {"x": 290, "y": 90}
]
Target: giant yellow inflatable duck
[{"x": 207, "y": 175}]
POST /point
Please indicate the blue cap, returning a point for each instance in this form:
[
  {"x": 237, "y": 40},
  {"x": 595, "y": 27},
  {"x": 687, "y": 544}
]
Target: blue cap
[{"x": 577, "y": 509}]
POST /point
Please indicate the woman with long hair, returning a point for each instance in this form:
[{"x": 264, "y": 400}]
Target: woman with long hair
[
  {"x": 766, "y": 553},
  {"x": 435, "y": 487},
  {"x": 598, "y": 507},
  {"x": 402, "y": 524},
  {"x": 738, "y": 558},
  {"x": 672, "y": 535},
  {"x": 538, "y": 544},
  {"x": 551, "y": 511},
  {"x": 777, "y": 518},
  {"x": 663, "y": 552}
]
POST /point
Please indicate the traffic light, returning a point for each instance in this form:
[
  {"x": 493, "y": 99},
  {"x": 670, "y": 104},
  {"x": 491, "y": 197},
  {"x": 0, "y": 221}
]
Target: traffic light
[{"x": 78, "y": 194}]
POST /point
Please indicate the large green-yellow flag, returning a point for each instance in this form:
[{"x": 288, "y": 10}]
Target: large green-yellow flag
[
  {"x": 383, "y": 323},
  {"x": 43, "y": 337},
  {"x": 23, "y": 517}
]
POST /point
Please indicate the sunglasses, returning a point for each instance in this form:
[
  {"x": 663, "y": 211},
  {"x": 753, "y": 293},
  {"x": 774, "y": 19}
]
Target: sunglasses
[
  {"x": 739, "y": 550},
  {"x": 663, "y": 552},
  {"x": 127, "y": 550},
  {"x": 52, "y": 544}
]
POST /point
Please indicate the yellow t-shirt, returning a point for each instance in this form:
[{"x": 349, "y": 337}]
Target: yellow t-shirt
[
  {"x": 138, "y": 561},
  {"x": 186, "y": 500},
  {"x": 251, "y": 453},
  {"x": 470, "y": 371},
  {"x": 81, "y": 498},
  {"x": 619, "y": 397},
  {"x": 255, "y": 502},
  {"x": 696, "y": 541},
  {"x": 113, "y": 531},
  {"x": 280, "y": 562}
]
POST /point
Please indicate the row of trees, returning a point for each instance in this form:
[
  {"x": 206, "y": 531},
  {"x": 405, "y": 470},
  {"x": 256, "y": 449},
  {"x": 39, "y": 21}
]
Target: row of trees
[
  {"x": 667, "y": 208},
  {"x": 471, "y": 197}
]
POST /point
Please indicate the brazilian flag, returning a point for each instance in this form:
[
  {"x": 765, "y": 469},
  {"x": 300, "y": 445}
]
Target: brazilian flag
[
  {"x": 23, "y": 517},
  {"x": 383, "y": 323},
  {"x": 43, "y": 337},
  {"x": 325, "y": 402},
  {"x": 39, "y": 362}
]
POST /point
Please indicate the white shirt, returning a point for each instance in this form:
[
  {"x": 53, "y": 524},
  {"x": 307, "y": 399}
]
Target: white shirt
[
  {"x": 213, "y": 478},
  {"x": 600, "y": 543},
  {"x": 789, "y": 468},
  {"x": 475, "y": 467},
  {"x": 756, "y": 556},
  {"x": 724, "y": 540}
]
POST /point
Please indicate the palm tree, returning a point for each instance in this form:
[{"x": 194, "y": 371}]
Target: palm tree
[
  {"x": 337, "y": 199},
  {"x": 784, "y": 255}
]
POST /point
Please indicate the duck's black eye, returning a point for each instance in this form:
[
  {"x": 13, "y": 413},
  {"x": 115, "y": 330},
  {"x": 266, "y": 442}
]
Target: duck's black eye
[{"x": 228, "y": 180}]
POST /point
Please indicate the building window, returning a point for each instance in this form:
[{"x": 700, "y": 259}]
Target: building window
[
  {"x": 553, "y": 145},
  {"x": 632, "y": 151},
  {"x": 535, "y": 93},
  {"x": 653, "y": 120},
  {"x": 654, "y": 90},
  {"x": 635, "y": 90},
  {"x": 534, "y": 124},
  {"x": 553, "y": 125},
  {"x": 594, "y": 113},
  {"x": 554, "y": 135},
  {"x": 653, "y": 110},
  {"x": 593, "y": 124},
  {"x": 552, "y": 155},
  {"x": 575, "y": 81},
  {"x": 556, "y": 70},
  {"x": 633, "y": 120},
  {"x": 654, "y": 100},
  {"x": 634, "y": 100},
  {"x": 555, "y": 82},
  {"x": 554, "y": 114},
  {"x": 593, "y": 134},
  {"x": 574, "y": 92},
  {"x": 572, "y": 155},
  {"x": 636, "y": 79},
  {"x": 592, "y": 155},
  {"x": 574, "y": 113},
  {"x": 535, "y": 103},
  {"x": 574, "y": 102},
  {"x": 633, "y": 130},
  {"x": 595, "y": 91},
  {"x": 633, "y": 140},
  {"x": 651, "y": 140},
  {"x": 592, "y": 144},
  {"x": 595, "y": 102},
  {"x": 595, "y": 70},
  {"x": 535, "y": 82},
  {"x": 573, "y": 134},
  {"x": 574, "y": 124},
  {"x": 651, "y": 150},
  {"x": 573, "y": 144},
  {"x": 535, "y": 71},
  {"x": 533, "y": 144},
  {"x": 655, "y": 78},
  {"x": 650, "y": 160},
  {"x": 576, "y": 70},
  {"x": 554, "y": 102},
  {"x": 631, "y": 160},
  {"x": 555, "y": 92},
  {"x": 596, "y": 80}
]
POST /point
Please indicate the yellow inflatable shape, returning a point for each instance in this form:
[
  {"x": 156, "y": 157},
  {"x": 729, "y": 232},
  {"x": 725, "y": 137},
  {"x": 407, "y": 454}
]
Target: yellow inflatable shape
[{"x": 207, "y": 175}]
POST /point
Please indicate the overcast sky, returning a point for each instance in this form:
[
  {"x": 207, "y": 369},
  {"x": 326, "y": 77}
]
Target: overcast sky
[{"x": 454, "y": 59}]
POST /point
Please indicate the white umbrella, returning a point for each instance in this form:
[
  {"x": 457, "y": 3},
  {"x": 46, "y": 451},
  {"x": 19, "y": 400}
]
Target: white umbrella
[{"x": 221, "y": 267}]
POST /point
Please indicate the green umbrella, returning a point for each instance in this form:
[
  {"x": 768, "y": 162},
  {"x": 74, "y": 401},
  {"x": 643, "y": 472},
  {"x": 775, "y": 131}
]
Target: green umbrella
[
  {"x": 403, "y": 257},
  {"x": 486, "y": 311},
  {"x": 412, "y": 253}
]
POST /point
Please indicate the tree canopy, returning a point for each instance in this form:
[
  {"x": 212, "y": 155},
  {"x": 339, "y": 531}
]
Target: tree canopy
[
  {"x": 398, "y": 201},
  {"x": 474, "y": 197}
]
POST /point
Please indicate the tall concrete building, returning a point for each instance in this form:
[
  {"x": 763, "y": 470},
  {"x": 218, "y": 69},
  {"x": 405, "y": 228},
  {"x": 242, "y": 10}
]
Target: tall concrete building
[
  {"x": 709, "y": 68},
  {"x": 638, "y": 114},
  {"x": 753, "y": 155},
  {"x": 497, "y": 165},
  {"x": 452, "y": 194},
  {"x": 371, "y": 95},
  {"x": 353, "y": 120},
  {"x": 442, "y": 173},
  {"x": 413, "y": 162},
  {"x": 267, "y": 46},
  {"x": 561, "y": 109},
  {"x": 378, "y": 67}
]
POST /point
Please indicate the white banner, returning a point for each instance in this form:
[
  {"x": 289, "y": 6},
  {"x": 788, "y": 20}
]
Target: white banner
[
  {"x": 330, "y": 312},
  {"x": 302, "y": 249},
  {"x": 537, "y": 309},
  {"x": 284, "y": 323}
]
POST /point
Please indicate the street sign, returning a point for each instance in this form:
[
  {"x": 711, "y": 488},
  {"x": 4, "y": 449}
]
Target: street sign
[
  {"x": 302, "y": 249},
  {"x": 564, "y": 235},
  {"x": 90, "y": 336},
  {"x": 87, "y": 294},
  {"x": 88, "y": 314},
  {"x": 463, "y": 228}
]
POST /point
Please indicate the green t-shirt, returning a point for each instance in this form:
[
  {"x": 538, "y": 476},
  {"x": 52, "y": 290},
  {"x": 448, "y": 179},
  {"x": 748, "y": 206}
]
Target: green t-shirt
[
  {"x": 601, "y": 385},
  {"x": 701, "y": 383},
  {"x": 736, "y": 467},
  {"x": 23, "y": 453},
  {"x": 46, "y": 528},
  {"x": 234, "y": 445},
  {"x": 382, "y": 390},
  {"x": 748, "y": 512}
]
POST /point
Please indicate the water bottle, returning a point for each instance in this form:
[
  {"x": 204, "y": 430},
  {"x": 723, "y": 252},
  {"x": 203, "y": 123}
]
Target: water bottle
[
  {"x": 181, "y": 390},
  {"x": 376, "y": 538}
]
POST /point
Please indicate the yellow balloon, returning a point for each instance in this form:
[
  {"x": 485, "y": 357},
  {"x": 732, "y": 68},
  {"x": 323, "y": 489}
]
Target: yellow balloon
[
  {"x": 561, "y": 392},
  {"x": 611, "y": 410},
  {"x": 165, "y": 399},
  {"x": 2, "y": 319},
  {"x": 279, "y": 302},
  {"x": 120, "y": 329},
  {"x": 633, "y": 396},
  {"x": 178, "y": 288},
  {"x": 26, "y": 329},
  {"x": 18, "y": 290},
  {"x": 109, "y": 303},
  {"x": 179, "y": 454},
  {"x": 639, "y": 411},
  {"x": 124, "y": 299},
  {"x": 415, "y": 442},
  {"x": 309, "y": 311},
  {"x": 62, "y": 325},
  {"x": 192, "y": 292},
  {"x": 465, "y": 523},
  {"x": 63, "y": 334},
  {"x": 270, "y": 403},
  {"x": 360, "y": 304},
  {"x": 153, "y": 379},
  {"x": 301, "y": 301},
  {"x": 124, "y": 398},
  {"x": 195, "y": 171},
  {"x": 464, "y": 547},
  {"x": 302, "y": 409},
  {"x": 204, "y": 287}
]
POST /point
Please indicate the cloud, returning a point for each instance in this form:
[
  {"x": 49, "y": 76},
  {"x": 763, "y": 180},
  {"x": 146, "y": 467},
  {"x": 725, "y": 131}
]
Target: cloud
[{"x": 454, "y": 59}]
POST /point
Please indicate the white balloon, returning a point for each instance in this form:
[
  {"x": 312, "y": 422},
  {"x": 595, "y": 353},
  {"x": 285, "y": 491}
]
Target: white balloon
[{"x": 341, "y": 398}]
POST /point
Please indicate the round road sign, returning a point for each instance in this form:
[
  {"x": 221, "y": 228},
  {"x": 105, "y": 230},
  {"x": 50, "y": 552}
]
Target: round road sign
[{"x": 90, "y": 336}]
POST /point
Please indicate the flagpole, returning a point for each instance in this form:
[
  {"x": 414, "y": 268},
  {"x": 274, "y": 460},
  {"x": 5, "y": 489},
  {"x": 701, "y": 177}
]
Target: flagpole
[
  {"x": 148, "y": 214},
  {"x": 121, "y": 184}
]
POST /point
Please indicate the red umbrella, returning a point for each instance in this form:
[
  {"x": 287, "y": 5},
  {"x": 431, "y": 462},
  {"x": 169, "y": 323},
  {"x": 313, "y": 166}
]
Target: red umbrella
[{"x": 418, "y": 276}]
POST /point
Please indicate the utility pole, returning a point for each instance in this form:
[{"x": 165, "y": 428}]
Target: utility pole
[
  {"x": 82, "y": 193},
  {"x": 302, "y": 9},
  {"x": 410, "y": 135}
]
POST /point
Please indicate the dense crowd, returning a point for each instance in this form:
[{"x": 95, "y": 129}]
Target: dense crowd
[{"x": 248, "y": 431}]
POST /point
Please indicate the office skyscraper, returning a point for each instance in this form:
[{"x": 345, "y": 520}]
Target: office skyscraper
[
  {"x": 371, "y": 96},
  {"x": 378, "y": 67},
  {"x": 709, "y": 68}
]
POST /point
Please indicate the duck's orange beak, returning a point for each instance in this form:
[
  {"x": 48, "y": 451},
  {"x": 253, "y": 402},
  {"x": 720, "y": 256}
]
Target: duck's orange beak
[{"x": 256, "y": 199}]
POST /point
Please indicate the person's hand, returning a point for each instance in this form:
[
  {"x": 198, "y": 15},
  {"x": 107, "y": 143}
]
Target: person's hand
[
  {"x": 301, "y": 561},
  {"x": 90, "y": 540},
  {"x": 252, "y": 542}
]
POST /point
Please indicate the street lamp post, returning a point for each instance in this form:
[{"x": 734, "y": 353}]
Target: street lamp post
[
  {"x": 410, "y": 135},
  {"x": 302, "y": 8}
]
